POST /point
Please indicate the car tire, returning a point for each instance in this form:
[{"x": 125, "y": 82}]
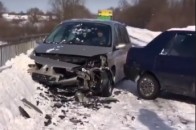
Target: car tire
[
  {"x": 148, "y": 87},
  {"x": 107, "y": 87}
]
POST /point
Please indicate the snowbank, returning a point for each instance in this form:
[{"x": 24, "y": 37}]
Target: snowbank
[
  {"x": 141, "y": 37},
  {"x": 188, "y": 28},
  {"x": 11, "y": 17},
  {"x": 15, "y": 84}
]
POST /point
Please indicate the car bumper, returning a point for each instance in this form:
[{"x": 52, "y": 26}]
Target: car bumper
[
  {"x": 131, "y": 72},
  {"x": 48, "y": 80},
  {"x": 49, "y": 77}
]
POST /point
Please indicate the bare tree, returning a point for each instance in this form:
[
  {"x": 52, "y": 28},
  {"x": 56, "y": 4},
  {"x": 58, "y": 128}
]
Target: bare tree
[
  {"x": 179, "y": 14},
  {"x": 2, "y": 8},
  {"x": 67, "y": 9},
  {"x": 123, "y": 4},
  {"x": 34, "y": 15}
]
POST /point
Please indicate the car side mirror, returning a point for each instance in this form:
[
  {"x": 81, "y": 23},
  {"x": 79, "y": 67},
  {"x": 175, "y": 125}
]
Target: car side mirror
[
  {"x": 119, "y": 46},
  {"x": 41, "y": 40}
]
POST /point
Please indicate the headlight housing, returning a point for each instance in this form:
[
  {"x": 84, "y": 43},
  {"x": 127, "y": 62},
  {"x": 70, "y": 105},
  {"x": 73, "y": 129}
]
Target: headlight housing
[
  {"x": 32, "y": 54},
  {"x": 93, "y": 62},
  {"x": 97, "y": 61}
]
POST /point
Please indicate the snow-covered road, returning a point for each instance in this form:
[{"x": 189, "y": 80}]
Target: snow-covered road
[
  {"x": 128, "y": 113},
  {"x": 60, "y": 112}
]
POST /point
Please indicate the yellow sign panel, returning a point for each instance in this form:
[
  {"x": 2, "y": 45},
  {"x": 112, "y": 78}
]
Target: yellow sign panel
[{"x": 105, "y": 13}]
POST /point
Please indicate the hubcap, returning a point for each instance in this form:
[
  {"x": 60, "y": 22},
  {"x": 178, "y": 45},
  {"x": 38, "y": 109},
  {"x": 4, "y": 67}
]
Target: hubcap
[{"x": 147, "y": 87}]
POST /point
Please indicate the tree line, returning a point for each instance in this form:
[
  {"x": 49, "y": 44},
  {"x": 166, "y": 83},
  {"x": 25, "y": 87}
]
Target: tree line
[{"x": 158, "y": 15}]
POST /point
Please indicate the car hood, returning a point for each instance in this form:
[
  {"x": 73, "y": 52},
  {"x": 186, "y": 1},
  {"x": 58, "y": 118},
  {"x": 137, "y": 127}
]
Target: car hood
[{"x": 80, "y": 50}]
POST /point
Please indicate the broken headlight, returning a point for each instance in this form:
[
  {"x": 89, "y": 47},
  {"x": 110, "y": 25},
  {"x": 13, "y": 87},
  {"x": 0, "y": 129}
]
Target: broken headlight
[
  {"x": 32, "y": 54},
  {"x": 94, "y": 62},
  {"x": 99, "y": 61}
]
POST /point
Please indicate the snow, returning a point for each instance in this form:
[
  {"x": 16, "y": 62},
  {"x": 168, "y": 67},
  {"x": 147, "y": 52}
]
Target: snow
[
  {"x": 188, "y": 28},
  {"x": 128, "y": 113},
  {"x": 15, "y": 84},
  {"x": 11, "y": 17},
  {"x": 2, "y": 43},
  {"x": 141, "y": 37}
]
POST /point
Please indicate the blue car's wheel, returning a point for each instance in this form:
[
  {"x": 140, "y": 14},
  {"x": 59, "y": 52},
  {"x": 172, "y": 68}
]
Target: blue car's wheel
[{"x": 148, "y": 87}]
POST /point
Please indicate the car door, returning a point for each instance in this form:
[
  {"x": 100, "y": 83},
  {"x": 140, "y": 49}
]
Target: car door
[
  {"x": 176, "y": 64},
  {"x": 121, "y": 46}
]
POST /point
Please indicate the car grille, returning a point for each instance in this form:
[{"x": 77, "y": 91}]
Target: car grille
[
  {"x": 65, "y": 58},
  {"x": 42, "y": 78}
]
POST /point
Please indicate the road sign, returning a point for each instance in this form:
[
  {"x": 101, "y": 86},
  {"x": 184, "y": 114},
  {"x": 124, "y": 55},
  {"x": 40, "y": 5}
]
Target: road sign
[{"x": 105, "y": 14}]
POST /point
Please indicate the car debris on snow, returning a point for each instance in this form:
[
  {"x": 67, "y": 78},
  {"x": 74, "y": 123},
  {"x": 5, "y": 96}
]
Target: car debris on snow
[
  {"x": 31, "y": 105},
  {"x": 23, "y": 112}
]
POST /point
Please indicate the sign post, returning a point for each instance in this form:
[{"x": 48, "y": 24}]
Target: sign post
[{"x": 105, "y": 14}]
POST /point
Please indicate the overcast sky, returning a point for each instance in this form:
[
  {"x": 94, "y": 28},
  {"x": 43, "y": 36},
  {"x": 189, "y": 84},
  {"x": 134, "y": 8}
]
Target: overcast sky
[{"x": 24, "y": 5}]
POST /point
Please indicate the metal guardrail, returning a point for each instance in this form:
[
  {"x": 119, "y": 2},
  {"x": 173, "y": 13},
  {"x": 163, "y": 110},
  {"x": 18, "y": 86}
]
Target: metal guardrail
[{"x": 16, "y": 46}]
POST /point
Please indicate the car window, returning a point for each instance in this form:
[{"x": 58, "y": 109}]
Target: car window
[
  {"x": 56, "y": 35},
  {"x": 123, "y": 35},
  {"x": 182, "y": 45},
  {"x": 78, "y": 33},
  {"x": 119, "y": 35},
  {"x": 126, "y": 36},
  {"x": 117, "y": 39}
]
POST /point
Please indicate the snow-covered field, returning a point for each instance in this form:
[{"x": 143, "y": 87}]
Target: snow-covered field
[
  {"x": 10, "y": 17},
  {"x": 61, "y": 112}
]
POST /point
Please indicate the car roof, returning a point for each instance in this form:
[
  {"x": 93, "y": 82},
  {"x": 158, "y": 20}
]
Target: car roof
[{"x": 108, "y": 22}]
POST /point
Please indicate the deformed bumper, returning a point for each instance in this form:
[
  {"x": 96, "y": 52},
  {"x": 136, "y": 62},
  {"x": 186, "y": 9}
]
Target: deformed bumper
[
  {"x": 46, "y": 75},
  {"x": 45, "y": 79}
]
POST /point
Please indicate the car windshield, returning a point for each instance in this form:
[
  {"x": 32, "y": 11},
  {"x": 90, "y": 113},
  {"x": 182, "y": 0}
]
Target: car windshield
[{"x": 77, "y": 33}]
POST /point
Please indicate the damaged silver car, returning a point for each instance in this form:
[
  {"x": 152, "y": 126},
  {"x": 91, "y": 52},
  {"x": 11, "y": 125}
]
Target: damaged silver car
[{"x": 87, "y": 55}]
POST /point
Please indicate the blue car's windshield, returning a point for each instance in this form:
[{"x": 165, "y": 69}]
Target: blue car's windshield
[{"x": 77, "y": 33}]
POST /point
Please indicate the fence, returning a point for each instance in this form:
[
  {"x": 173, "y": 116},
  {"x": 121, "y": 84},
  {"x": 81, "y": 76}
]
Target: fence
[{"x": 17, "y": 46}]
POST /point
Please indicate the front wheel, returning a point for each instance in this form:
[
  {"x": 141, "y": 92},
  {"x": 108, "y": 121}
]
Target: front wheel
[
  {"x": 148, "y": 87},
  {"x": 106, "y": 85}
]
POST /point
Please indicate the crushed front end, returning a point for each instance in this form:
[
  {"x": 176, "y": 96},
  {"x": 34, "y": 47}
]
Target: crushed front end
[{"x": 88, "y": 75}]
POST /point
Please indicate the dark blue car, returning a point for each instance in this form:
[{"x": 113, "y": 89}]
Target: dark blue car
[{"x": 166, "y": 63}]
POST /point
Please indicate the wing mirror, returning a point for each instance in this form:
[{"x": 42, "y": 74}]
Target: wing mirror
[
  {"x": 120, "y": 46},
  {"x": 41, "y": 40}
]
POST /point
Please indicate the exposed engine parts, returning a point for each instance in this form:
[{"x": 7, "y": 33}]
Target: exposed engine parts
[{"x": 94, "y": 77}]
